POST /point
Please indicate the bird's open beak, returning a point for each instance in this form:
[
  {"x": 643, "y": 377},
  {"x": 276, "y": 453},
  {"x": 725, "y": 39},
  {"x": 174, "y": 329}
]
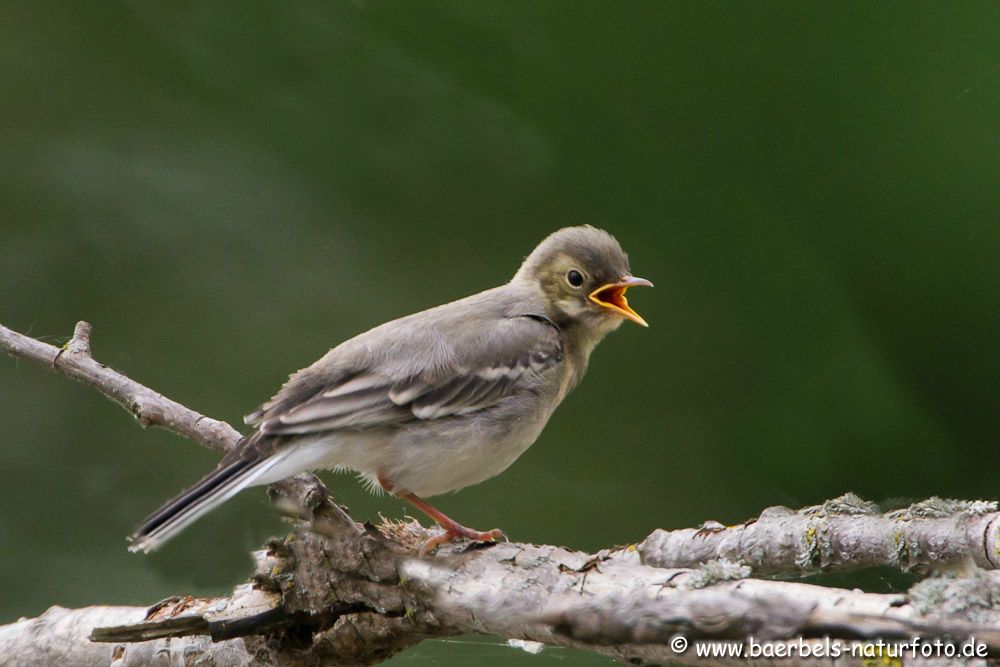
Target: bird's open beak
[{"x": 612, "y": 296}]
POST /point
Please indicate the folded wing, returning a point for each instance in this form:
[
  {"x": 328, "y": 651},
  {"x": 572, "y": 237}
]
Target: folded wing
[{"x": 517, "y": 353}]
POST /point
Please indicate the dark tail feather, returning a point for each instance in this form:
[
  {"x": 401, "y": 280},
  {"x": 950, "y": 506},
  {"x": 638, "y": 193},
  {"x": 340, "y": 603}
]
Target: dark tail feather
[{"x": 214, "y": 489}]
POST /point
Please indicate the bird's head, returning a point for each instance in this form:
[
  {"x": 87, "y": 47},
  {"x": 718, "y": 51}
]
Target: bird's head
[{"x": 583, "y": 275}]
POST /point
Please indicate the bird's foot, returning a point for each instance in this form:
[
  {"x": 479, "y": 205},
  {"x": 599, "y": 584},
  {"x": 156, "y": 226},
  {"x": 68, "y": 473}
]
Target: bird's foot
[
  {"x": 452, "y": 528},
  {"x": 456, "y": 531}
]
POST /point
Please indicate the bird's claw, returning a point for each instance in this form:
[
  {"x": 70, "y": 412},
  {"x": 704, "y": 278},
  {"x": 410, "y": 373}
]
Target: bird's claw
[
  {"x": 494, "y": 535},
  {"x": 459, "y": 531}
]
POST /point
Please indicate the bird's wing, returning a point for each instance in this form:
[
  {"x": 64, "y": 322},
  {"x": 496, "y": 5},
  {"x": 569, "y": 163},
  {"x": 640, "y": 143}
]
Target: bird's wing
[{"x": 465, "y": 373}]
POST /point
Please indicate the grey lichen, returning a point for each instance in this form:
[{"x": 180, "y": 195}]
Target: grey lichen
[
  {"x": 849, "y": 504},
  {"x": 714, "y": 571},
  {"x": 976, "y": 507},
  {"x": 936, "y": 508},
  {"x": 972, "y": 597}
]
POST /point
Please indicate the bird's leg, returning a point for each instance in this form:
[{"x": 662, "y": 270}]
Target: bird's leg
[{"x": 452, "y": 528}]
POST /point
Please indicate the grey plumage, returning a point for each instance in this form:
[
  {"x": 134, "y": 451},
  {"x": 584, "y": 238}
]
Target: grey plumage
[{"x": 437, "y": 400}]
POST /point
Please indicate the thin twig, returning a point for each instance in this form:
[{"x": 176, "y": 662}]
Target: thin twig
[{"x": 74, "y": 360}]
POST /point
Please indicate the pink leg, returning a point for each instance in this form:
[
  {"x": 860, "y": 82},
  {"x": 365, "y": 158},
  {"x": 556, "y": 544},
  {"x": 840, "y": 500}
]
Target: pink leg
[{"x": 452, "y": 528}]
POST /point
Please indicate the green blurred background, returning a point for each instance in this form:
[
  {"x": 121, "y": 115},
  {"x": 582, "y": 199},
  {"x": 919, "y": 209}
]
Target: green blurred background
[{"x": 226, "y": 190}]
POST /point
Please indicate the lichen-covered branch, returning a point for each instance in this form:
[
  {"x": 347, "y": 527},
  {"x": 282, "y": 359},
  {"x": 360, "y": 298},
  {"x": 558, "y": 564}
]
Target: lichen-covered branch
[
  {"x": 382, "y": 600},
  {"x": 842, "y": 533},
  {"x": 338, "y": 592}
]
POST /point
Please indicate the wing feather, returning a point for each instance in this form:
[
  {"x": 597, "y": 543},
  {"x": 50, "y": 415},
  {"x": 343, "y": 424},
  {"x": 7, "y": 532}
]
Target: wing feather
[
  {"x": 326, "y": 406},
  {"x": 518, "y": 354}
]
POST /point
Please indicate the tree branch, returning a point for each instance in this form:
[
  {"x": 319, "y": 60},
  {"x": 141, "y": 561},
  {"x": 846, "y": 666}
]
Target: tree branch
[
  {"x": 339, "y": 592},
  {"x": 843, "y": 533},
  {"x": 150, "y": 408}
]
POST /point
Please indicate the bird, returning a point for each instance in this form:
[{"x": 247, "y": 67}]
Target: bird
[{"x": 435, "y": 401}]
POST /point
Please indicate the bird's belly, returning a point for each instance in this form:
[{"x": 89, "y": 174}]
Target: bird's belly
[{"x": 449, "y": 454}]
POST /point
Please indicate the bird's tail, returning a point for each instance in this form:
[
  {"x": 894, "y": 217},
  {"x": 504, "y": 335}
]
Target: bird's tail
[{"x": 214, "y": 489}]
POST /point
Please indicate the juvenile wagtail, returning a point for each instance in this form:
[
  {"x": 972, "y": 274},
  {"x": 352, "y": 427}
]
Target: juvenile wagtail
[{"x": 438, "y": 400}]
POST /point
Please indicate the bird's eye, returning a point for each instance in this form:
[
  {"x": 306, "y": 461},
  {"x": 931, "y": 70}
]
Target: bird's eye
[{"x": 574, "y": 277}]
